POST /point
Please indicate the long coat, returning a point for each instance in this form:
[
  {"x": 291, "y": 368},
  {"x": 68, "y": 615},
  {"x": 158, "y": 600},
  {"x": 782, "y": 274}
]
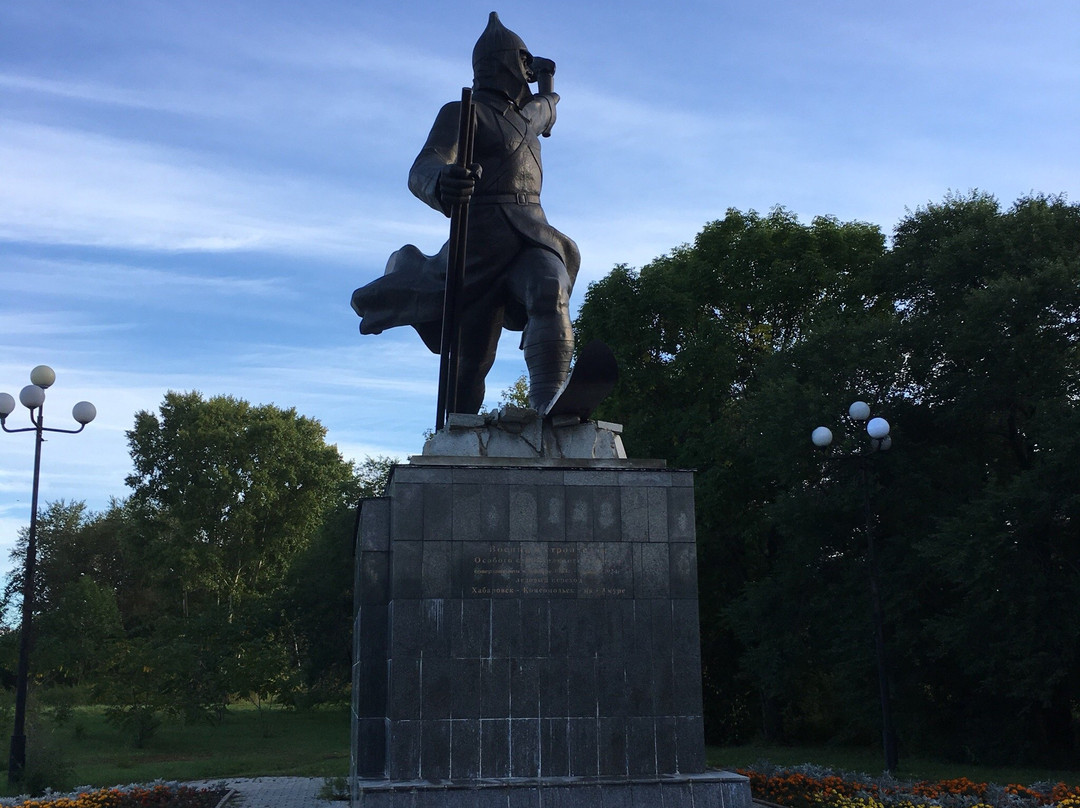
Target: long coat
[{"x": 505, "y": 218}]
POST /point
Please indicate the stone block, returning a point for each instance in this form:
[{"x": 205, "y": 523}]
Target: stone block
[
  {"x": 464, "y": 693},
  {"x": 638, "y": 672},
  {"x": 404, "y": 689},
  {"x": 375, "y": 524},
  {"x": 554, "y": 748},
  {"x": 465, "y": 508},
  {"x": 551, "y": 513},
  {"x": 619, "y": 569},
  {"x": 404, "y": 752},
  {"x": 535, "y": 627},
  {"x": 373, "y": 578},
  {"x": 455, "y": 443},
  {"x": 554, "y": 687},
  {"x": 525, "y": 747},
  {"x": 612, "y": 694},
  {"x": 522, "y": 513},
  {"x": 651, "y": 570},
  {"x": 494, "y": 747},
  {"x": 406, "y": 570},
  {"x": 690, "y": 743},
  {"x": 524, "y": 687},
  {"x": 434, "y": 628},
  {"x": 634, "y": 513},
  {"x": 677, "y": 795},
  {"x": 663, "y": 687},
  {"x": 584, "y": 749},
  {"x": 494, "y": 513},
  {"x": 681, "y": 514},
  {"x": 438, "y": 512},
  {"x": 579, "y": 513},
  {"x": 683, "y": 580},
  {"x": 685, "y": 631},
  {"x": 435, "y": 749},
  {"x": 686, "y": 696},
  {"x": 640, "y": 747},
  {"x": 524, "y": 797},
  {"x": 582, "y": 692},
  {"x": 494, "y": 687},
  {"x": 435, "y": 581},
  {"x": 465, "y": 749},
  {"x": 404, "y": 628},
  {"x": 407, "y": 512},
  {"x": 506, "y": 628},
  {"x": 470, "y": 629},
  {"x": 611, "y": 740},
  {"x": 658, "y": 514},
  {"x": 666, "y": 757},
  {"x": 493, "y": 798},
  {"x": 607, "y": 514}
]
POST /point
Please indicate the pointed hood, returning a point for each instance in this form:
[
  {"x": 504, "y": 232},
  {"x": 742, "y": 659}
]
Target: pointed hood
[{"x": 495, "y": 40}]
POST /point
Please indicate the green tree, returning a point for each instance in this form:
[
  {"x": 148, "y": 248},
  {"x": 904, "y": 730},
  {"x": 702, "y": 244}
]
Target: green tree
[
  {"x": 75, "y": 602},
  {"x": 235, "y": 491},
  {"x": 989, "y": 301},
  {"x": 964, "y": 334},
  {"x": 693, "y": 332},
  {"x": 318, "y": 592},
  {"x": 517, "y": 393}
]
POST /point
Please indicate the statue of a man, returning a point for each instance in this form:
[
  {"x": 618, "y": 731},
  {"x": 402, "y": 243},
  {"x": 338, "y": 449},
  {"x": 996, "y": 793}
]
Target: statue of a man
[{"x": 519, "y": 270}]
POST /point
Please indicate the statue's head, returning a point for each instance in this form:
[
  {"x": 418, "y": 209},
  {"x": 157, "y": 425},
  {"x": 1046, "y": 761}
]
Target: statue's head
[{"x": 501, "y": 61}]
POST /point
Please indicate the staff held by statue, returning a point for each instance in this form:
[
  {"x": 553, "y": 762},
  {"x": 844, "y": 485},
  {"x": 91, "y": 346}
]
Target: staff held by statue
[{"x": 455, "y": 270}]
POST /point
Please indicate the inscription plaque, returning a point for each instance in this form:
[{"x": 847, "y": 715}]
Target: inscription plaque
[{"x": 548, "y": 570}]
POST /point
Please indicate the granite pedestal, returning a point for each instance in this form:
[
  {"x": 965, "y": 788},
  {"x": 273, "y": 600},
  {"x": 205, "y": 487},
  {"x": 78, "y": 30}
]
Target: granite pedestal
[{"x": 528, "y": 636}]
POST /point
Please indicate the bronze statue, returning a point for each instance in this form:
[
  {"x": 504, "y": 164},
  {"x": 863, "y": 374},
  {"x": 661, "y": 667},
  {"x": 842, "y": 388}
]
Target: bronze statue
[{"x": 518, "y": 270}]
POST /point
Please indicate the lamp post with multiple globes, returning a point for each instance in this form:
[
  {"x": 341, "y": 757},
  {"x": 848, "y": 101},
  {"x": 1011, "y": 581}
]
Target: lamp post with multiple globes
[
  {"x": 33, "y": 398},
  {"x": 878, "y": 430}
]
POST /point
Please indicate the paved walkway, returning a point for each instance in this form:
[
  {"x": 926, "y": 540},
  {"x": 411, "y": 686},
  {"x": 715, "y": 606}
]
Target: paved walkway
[{"x": 275, "y": 792}]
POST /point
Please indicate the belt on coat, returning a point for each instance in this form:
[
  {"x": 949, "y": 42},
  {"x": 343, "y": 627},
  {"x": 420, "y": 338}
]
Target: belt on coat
[{"x": 505, "y": 199}]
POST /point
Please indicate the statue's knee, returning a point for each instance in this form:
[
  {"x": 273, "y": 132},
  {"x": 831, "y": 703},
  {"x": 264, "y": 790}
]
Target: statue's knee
[{"x": 549, "y": 295}]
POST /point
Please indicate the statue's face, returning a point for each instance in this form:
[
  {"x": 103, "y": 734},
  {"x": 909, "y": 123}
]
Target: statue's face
[
  {"x": 509, "y": 71},
  {"x": 527, "y": 71}
]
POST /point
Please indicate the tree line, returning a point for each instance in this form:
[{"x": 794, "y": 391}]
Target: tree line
[
  {"x": 963, "y": 332},
  {"x": 225, "y": 575}
]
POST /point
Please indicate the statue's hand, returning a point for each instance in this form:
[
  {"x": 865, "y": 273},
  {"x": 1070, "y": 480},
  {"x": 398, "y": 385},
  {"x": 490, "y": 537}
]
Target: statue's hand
[
  {"x": 544, "y": 70},
  {"x": 456, "y": 184}
]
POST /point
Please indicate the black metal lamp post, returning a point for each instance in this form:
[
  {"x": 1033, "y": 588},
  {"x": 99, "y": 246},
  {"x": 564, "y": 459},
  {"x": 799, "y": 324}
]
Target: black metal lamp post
[
  {"x": 33, "y": 398},
  {"x": 878, "y": 430}
]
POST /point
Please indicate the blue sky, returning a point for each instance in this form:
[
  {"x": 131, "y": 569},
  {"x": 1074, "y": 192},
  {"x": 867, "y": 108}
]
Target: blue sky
[{"x": 190, "y": 191}]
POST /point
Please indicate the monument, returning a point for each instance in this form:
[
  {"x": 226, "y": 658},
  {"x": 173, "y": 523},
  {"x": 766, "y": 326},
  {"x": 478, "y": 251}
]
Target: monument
[{"x": 526, "y": 629}]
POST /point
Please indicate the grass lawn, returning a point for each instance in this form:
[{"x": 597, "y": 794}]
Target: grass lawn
[
  {"x": 315, "y": 743},
  {"x": 312, "y": 743}
]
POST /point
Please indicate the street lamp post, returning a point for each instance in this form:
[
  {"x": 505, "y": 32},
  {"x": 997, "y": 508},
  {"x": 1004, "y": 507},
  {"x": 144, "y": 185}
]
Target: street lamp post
[
  {"x": 878, "y": 430},
  {"x": 33, "y": 398}
]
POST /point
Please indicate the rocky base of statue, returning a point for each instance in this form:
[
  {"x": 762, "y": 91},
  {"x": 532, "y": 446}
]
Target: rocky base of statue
[{"x": 520, "y": 432}]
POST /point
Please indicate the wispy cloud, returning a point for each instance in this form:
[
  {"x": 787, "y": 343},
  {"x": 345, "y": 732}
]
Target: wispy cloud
[{"x": 64, "y": 186}]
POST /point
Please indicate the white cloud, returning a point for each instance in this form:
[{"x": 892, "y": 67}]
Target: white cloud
[{"x": 63, "y": 186}]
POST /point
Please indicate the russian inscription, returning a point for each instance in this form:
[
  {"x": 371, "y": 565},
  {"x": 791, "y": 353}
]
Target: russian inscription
[{"x": 546, "y": 569}]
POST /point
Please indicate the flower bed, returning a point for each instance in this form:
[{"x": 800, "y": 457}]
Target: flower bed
[
  {"x": 814, "y": 787},
  {"x": 153, "y": 796}
]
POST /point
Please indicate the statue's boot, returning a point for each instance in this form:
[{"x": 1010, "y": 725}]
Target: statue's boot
[{"x": 548, "y": 352}]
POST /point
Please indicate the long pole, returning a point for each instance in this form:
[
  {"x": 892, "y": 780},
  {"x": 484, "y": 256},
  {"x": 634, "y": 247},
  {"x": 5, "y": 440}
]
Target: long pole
[
  {"x": 455, "y": 274},
  {"x": 888, "y": 736},
  {"x": 17, "y": 754}
]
